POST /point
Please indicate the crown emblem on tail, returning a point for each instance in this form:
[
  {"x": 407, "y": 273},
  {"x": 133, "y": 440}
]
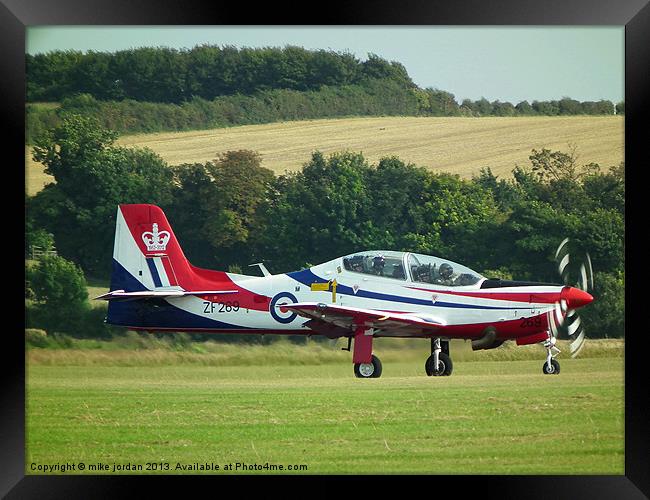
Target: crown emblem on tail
[{"x": 155, "y": 240}]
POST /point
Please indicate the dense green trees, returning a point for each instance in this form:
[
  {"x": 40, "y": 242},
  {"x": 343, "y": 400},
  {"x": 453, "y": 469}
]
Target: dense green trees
[
  {"x": 524, "y": 108},
  {"x": 316, "y": 212},
  {"x": 56, "y": 293},
  {"x": 57, "y": 301},
  {"x": 434, "y": 102},
  {"x": 58, "y": 282},
  {"x": 503, "y": 109},
  {"x": 161, "y": 89},
  {"x": 92, "y": 178},
  {"x": 214, "y": 207},
  {"x": 375, "y": 97},
  {"x": 168, "y": 75},
  {"x": 231, "y": 212}
]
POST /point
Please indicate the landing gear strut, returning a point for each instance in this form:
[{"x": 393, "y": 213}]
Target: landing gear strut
[
  {"x": 366, "y": 364},
  {"x": 551, "y": 365},
  {"x": 439, "y": 363}
]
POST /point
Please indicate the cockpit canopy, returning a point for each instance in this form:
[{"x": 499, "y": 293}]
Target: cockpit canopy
[{"x": 416, "y": 267}]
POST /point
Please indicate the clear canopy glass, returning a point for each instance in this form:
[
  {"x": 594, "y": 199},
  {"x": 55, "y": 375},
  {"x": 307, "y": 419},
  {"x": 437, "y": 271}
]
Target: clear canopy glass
[
  {"x": 429, "y": 269},
  {"x": 416, "y": 267},
  {"x": 378, "y": 263}
]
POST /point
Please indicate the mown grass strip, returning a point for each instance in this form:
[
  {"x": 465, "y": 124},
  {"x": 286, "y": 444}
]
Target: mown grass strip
[
  {"x": 138, "y": 350},
  {"x": 503, "y": 418}
]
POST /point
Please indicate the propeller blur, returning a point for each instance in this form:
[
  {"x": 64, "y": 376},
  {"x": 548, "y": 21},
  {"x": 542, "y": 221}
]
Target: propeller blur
[{"x": 567, "y": 321}]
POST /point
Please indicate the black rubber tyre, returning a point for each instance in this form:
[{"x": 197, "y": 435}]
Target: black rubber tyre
[
  {"x": 364, "y": 371},
  {"x": 554, "y": 369},
  {"x": 445, "y": 365}
]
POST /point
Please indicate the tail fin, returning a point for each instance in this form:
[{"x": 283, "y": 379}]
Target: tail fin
[
  {"x": 149, "y": 267},
  {"x": 147, "y": 255}
]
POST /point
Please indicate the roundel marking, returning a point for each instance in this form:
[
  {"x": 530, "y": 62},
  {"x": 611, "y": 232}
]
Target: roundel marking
[{"x": 279, "y": 313}]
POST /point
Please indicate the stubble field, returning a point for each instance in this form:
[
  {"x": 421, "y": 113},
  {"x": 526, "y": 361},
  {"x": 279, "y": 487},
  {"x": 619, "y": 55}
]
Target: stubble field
[{"x": 457, "y": 145}]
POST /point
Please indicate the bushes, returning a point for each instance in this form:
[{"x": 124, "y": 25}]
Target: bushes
[
  {"x": 58, "y": 283},
  {"x": 59, "y": 303},
  {"x": 606, "y": 315},
  {"x": 84, "y": 321},
  {"x": 92, "y": 178},
  {"x": 374, "y": 98},
  {"x": 36, "y": 337},
  {"x": 39, "y": 118},
  {"x": 129, "y": 116}
]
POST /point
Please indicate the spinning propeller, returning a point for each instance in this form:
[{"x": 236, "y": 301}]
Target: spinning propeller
[{"x": 564, "y": 319}]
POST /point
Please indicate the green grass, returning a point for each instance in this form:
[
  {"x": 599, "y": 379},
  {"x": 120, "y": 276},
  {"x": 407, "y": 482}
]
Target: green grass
[
  {"x": 487, "y": 418},
  {"x": 143, "y": 349},
  {"x": 45, "y": 105},
  {"x": 96, "y": 287}
]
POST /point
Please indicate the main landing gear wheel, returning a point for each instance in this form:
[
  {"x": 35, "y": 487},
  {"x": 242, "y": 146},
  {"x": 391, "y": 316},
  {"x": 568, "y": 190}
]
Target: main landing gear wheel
[
  {"x": 552, "y": 368},
  {"x": 445, "y": 366},
  {"x": 368, "y": 370}
]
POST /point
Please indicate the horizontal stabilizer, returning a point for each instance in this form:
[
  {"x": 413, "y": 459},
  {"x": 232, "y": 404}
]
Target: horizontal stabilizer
[{"x": 158, "y": 294}]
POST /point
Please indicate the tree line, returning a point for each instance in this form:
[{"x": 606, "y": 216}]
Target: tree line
[
  {"x": 374, "y": 98},
  {"x": 207, "y": 71},
  {"x": 231, "y": 212},
  {"x": 162, "y": 89}
]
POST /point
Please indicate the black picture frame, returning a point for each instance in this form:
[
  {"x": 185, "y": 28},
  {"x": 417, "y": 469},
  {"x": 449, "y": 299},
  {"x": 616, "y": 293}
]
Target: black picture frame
[{"x": 16, "y": 15}]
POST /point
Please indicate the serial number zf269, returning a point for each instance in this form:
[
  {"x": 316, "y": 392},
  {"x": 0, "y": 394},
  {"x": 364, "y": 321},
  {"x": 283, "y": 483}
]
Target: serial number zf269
[{"x": 220, "y": 307}]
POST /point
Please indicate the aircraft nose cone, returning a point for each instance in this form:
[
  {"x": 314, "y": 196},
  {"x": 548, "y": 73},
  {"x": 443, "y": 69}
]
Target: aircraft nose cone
[{"x": 575, "y": 297}]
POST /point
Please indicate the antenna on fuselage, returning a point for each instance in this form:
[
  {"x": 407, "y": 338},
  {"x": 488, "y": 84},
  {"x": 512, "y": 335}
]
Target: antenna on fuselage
[{"x": 263, "y": 268}]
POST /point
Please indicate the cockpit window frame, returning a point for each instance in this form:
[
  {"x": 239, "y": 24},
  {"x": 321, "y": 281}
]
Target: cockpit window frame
[
  {"x": 464, "y": 271},
  {"x": 391, "y": 254},
  {"x": 408, "y": 275}
]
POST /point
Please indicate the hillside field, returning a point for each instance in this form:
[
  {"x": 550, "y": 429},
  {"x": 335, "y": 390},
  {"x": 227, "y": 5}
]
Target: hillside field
[{"x": 454, "y": 144}]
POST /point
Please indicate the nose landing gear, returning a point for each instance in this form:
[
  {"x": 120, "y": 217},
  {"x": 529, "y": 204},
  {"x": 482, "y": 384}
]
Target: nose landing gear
[
  {"x": 439, "y": 363},
  {"x": 551, "y": 365}
]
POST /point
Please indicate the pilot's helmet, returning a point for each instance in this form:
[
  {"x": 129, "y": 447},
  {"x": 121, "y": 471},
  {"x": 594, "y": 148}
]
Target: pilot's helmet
[{"x": 446, "y": 271}]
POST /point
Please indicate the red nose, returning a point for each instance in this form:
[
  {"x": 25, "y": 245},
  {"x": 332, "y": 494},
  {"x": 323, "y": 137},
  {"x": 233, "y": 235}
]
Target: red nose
[{"x": 575, "y": 297}]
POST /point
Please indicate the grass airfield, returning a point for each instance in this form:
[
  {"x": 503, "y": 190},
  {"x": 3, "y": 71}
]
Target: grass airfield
[{"x": 490, "y": 417}]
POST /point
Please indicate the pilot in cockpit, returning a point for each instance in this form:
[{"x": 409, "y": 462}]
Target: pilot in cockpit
[
  {"x": 378, "y": 264},
  {"x": 445, "y": 275},
  {"x": 424, "y": 273}
]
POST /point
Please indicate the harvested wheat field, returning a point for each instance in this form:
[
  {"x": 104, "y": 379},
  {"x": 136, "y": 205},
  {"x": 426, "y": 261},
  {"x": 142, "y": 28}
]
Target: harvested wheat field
[{"x": 451, "y": 144}]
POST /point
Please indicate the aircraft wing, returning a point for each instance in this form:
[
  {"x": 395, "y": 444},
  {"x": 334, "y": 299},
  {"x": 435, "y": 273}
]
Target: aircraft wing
[
  {"x": 345, "y": 317},
  {"x": 157, "y": 294}
]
